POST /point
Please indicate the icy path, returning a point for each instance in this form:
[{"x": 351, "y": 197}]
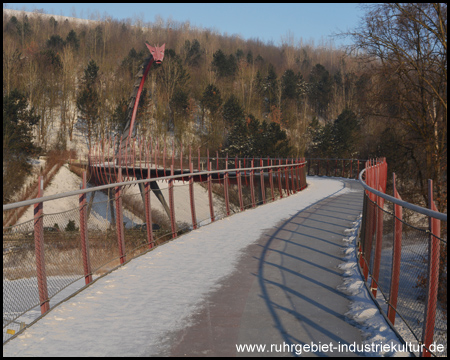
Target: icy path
[{"x": 129, "y": 312}]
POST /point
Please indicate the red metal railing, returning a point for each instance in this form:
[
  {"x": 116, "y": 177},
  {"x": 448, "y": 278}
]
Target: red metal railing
[
  {"x": 98, "y": 248},
  {"x": 401, "y": 261}
]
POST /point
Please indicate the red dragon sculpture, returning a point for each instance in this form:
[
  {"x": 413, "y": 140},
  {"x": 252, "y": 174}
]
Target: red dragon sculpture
[{"x": 157, "y": 56}]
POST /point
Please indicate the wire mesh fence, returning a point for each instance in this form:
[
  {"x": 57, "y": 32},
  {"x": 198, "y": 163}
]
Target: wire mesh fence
[
  {"x": 52, "y": 255},
  {"x": 404, "y": 264}
]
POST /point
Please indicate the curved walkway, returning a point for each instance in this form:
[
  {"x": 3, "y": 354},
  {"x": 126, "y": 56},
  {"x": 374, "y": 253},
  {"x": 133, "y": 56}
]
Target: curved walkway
[
  {"x": 226, "y": 284},
  {"x": 284, "y": 290}
]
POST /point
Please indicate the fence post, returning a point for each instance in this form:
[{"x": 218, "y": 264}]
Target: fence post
[
  {"x": 286, "y": 178},
  {"x": 148, "y": 210},
  {"x": 363, "y": 237},
  {"x": 378, "y": 241},
  {"x": 39, "y": 250},
  {"x": 252, "y": 186},
  {"x": 191, "y": 196},
  {"x": 225, "y": 188},
  {"x": 271, "y": 180},
  {"x": 261, "y": 175},
  {"x": 119, "y": 221},
  {"x": 239, "y": 181},
  {"x": 396, "y": 256},
  {"x": 164, "y": 157},
  {"x": 172, "y": 205},
  {"x": 279, "y": 180},
  {"x": 433, "y": 275},
  {"x": 210, "y": 197},
  {"x": 84, "y": 234}
]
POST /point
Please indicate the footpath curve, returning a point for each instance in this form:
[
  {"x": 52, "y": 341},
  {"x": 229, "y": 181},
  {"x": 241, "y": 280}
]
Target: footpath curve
[
  {"x": 284, "y": 290},
  {"x": 229, "y": 283}
]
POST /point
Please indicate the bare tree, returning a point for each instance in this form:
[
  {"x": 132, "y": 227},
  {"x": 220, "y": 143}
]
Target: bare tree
[{"x": 409, "y": 43}]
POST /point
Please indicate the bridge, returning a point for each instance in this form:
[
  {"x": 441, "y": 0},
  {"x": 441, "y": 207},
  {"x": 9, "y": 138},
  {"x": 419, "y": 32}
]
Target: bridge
[
  {"x": 225, "y": 284},
  {"x": 117, "y": 277}
]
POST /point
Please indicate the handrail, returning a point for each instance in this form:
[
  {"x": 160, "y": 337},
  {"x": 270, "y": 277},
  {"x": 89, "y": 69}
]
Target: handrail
[
  {"x": 416, "y": 208},
  {"x": 142, "y": 181}
]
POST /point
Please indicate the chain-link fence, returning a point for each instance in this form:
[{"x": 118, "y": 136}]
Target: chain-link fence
[
  {"x": 50, "y": 256},
  {"x": 404, "y": 264}
]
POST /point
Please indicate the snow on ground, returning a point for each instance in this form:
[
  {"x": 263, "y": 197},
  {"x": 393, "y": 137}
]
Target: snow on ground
[
  {"x": 362, "y": 309},
  {"x": 65, "y": 181},
  {"x": 128, "y": 312}
]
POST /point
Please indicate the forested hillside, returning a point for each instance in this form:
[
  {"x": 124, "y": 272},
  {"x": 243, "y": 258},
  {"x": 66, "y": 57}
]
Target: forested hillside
[{"x": 244, "y": 97}]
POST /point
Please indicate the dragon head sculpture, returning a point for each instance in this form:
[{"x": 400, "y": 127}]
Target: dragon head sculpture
[{"x": 157, "y": 53}]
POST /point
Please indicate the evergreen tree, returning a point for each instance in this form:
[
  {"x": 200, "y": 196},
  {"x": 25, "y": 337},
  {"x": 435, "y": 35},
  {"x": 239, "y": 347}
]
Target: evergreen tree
[
  {"x": 232, "y": 111},
  {"x": 211, "y": 99},
  {"x": 270, "y": 86},
  {"x": 223, "y": 65},
  {"x": 255, "y": 139},
  {"x": 338, "y": 139},
  {"x": 289, "y": 85},
  {"x": 119, "y": 116},
  {"x": 18, "y": 147},
  {"x": 320, "y": 92},
  {"x": 345, "y": 132},
  {"x": 55, "y": 42},
  {"x": 72, "y": 40},
  {"x": 88, "y": 102},
  {"x": 192, "y": 53}
]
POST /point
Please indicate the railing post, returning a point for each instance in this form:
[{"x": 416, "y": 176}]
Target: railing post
[
  {"x": 210, "y": 197},
  {"x": 286, "y": 175},
  {"x": 261, "y": 175},
  {"x": 433, "y": 275},
  {"x": 148, "y": 210},
  {"x": 39, "y": 250},
  {"x": 164, "y": 157},
  {"x": 363, "y": 241},
  {"x": 225, "y": 188},
  {"x": 380, "y": 185},
  {"x": 239, "y": 181},
  {"x": 119, "y": 221},
  {"x": 191, "y": 196},
  {"x": 172, "y": 205},
  {"x": 396, "y": 256},
  {"x": 271, "y": 181},
  {"x": 84, "y": 234},
  {"x": 294, "y": 190},
  {"x": 252, "y": 186},
  {"x": 217, "y": 160},
  {"x": 279, "y": 179}
]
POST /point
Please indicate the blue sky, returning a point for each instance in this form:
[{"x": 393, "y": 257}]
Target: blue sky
[{"x": 266, "y": 21}]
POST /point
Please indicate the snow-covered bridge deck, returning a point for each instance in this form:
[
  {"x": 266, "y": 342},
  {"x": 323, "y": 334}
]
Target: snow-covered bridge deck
[{"x": 265, "y": 276}]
